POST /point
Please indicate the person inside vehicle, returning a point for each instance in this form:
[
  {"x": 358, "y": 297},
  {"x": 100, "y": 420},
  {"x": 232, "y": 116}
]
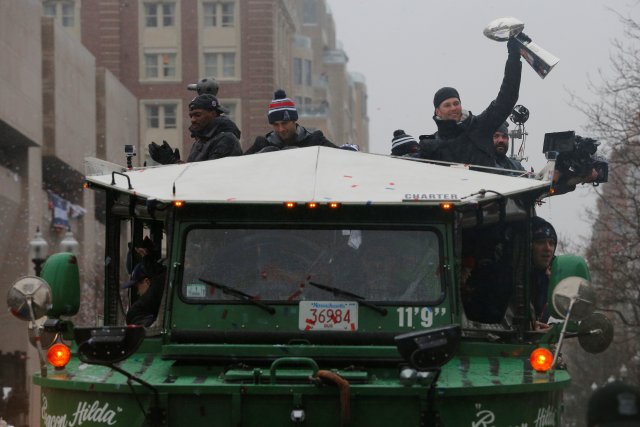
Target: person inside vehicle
[
  {"x": 148, "y": 280},
  {"x": 286, "y": 133},
  {"x": 463, "y": 137},
  {"x": 543, "y": 247},
  {"x": 486, "y": 273},
  {"x": 501, "y": 145},
  {"x": 403, "y": 144},
  {"x": 216, "y": 135}
]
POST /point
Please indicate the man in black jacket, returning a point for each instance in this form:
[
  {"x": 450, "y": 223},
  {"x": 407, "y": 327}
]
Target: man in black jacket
[
  {"x": 149, "y": 284},
  {"x": 503, "y": 161},
  {"x": 463, "y": 137},
  {"x": 543, "y": 249},
  {"x": 287, "y": 133},
  {"x": 216, "y": 135}
]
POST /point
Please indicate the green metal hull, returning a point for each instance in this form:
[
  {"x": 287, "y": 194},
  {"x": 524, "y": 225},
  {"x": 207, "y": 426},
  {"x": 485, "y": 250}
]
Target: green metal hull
[{"x": 472, "y": 390}]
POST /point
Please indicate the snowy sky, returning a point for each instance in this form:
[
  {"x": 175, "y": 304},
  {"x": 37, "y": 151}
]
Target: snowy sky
[{"x": 407, "y": 49}]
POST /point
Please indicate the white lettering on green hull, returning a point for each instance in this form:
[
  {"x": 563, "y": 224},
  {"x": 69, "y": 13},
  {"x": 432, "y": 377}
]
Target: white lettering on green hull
[{"x": 96, "y": 412}]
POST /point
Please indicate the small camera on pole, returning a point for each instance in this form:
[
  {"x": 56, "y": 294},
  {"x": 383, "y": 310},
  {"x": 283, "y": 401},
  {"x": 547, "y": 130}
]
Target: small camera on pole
[
  {"x": 129, "y": 152},
  {"x": 519, "y": 116}
]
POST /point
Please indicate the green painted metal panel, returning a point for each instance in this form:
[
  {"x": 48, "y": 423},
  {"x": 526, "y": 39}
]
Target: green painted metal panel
[{"x": 62, "y": 274}]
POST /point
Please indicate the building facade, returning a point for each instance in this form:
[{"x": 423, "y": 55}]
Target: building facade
[
  {"x": 83, "y": 78},
  {"x": 251, "y": 47}
]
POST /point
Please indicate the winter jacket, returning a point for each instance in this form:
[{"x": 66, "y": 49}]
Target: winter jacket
[
  {"x": 304, "y": 138},
  {"x": 219, "y": 139},
  {"x": 145, "y": 309},
  {"x": 509, "y": 164},
  {"x": 540, "y": 294},
  {"x": 470, "y": 140}
]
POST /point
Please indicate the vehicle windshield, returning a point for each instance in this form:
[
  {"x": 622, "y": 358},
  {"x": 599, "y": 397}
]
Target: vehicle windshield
[{"x": 286, "y": 265}]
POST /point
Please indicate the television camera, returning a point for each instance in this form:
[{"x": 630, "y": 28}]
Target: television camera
[{"x": 575, "y": 156}]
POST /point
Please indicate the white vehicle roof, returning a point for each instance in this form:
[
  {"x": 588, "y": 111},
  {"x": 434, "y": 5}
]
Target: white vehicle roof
[{"x": 314, "y": 174}]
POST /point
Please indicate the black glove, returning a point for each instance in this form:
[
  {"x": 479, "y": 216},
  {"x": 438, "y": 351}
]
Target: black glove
[
  {"x": 164, "y": 154},
  {"x": 513, "y": 46}
]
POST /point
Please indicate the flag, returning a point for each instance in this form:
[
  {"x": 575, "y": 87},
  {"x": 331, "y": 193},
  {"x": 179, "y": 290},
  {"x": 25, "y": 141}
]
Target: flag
[{"x": 60, "y": 207}]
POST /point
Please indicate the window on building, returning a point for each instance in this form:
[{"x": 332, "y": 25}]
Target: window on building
[
  {"x": 306, "y": 70},
  {"x": 220, "y": 64},
  {"x": 233, "y": 108},
  {"x": 160, "y": 65},
  {"x": 309, "y": 12},
  {"x": 161, "y": 116},
  {"x": 64, "y": 11},
  {"x": 297, "y": 71},
  {"x": 158, "y": 14},
  {"x": 219, "y": 13},
  {"x": 302, "y": 71}
]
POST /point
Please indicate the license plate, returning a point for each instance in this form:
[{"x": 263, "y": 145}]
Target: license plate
[
  {"x": 196, "y": 290},
  {"x": 328, "y": 316}
]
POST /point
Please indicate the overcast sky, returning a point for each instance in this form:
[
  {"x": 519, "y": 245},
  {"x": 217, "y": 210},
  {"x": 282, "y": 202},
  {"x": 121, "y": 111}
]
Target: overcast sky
[{"x": 407, "y": 49}]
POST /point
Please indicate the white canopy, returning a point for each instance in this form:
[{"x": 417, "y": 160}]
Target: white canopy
[{"x": 315, "y": 174}]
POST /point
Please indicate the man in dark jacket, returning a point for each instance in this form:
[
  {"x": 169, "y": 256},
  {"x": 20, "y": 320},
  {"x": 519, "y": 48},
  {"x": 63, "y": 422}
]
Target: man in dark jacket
[
  {"x": 287, "y": 133},
  {"x": 543, "y": 247},
  {"x": 149, "y": 284},
  {"x": 501, "y": 144},
  {"x": 463, "y": 137},
  {"x": 216, "y": 135}
]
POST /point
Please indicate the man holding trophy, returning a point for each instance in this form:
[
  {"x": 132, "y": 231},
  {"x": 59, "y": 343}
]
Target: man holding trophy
[{"x": 465, "y": 138}]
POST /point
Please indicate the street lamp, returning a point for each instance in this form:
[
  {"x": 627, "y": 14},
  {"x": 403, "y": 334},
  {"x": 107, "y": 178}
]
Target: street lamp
[
  {"x": 69, "y": 243},
  {"x": 38, "y": 250}
]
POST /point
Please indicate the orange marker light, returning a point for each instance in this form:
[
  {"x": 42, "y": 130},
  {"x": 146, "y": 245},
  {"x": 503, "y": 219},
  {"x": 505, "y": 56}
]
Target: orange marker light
[
  {"x": 446, "y": 206},
  {"x": 334, "y": 205},
  {"x": 290, "y": 205},
  {"x": 59, "y": 355},
  {"x": 85, "y": 185},
  {"x": 541, "y": 359},
  {"x": 178, "y": 203},
  {"x": 312, "y": 205}
]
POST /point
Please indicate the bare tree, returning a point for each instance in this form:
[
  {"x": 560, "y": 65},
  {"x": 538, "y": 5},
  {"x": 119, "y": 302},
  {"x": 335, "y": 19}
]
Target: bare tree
[{"x": 613, "y": 251}]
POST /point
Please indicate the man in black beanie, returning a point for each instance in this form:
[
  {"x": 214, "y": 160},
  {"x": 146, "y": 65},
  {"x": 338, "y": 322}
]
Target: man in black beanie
[
  {"x": 216, "y": 135},
  {"x": 543, "y": 247},
  {"x": 403, "y": 144},
  {"x": 463, "y": 137},
  {"x": 287, "y": 133}
]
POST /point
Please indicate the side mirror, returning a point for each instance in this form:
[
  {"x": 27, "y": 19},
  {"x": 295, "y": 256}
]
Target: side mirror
[
  {"x": 565, "y": 266},
  {"x": 29, "y": 298},
  {"x": 574, "y": 298},
  {"x": 108, "y": 344},
  {"x": 431, "y": 349},
  {"x": 595, "y": 333}
]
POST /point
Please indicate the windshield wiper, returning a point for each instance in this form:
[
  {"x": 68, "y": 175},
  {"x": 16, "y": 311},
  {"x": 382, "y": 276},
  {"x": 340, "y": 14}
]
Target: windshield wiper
[
  {"x": 239, "y": 294},
  {"x": 340, "y": 293}
]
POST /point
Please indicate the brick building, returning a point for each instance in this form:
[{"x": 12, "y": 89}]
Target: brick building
[
  {"x": 252, "y": 47},
  {"x": 93, "y": 75}
]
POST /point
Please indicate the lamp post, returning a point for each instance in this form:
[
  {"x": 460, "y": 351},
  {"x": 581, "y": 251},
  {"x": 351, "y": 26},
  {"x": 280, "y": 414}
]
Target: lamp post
[
  {"x": 69, "y": 243},
  {"x": 38, "y": 250}
]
